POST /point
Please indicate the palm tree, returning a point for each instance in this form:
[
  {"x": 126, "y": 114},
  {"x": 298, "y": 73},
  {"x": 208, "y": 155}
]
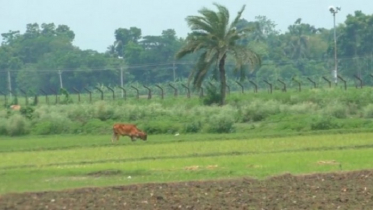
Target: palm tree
[{"x": 215, "y": 38}]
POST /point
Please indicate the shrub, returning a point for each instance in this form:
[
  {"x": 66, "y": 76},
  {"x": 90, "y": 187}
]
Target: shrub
[
  {"x": 335, "y": 109},
  {"x": 368, "y": 111},
  {"x": 192, "y": 127},
  {"x": 3, "y": 126},
  {"x": 213, "y": 96},
  {"x": 96, "y": 126},
  {"x": 53, "y": 123},
  {"x": 258, "y": 110},
  {"x": 220, "y": 123},
  {"x": 161, "y": 127},
  {"x": 17, "y": 125},
  {"x": 324, "y": 123}
]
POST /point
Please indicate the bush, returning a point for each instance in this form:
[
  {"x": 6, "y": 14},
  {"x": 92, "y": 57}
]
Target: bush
[
  {"x": 258, "y": 110},
  {"x": 213, "y": 96},
  {"x": 192, "y": 127},
  {"x": 3, "y": 126},
  {"x": 220, "y": 123},
  {"x": 17, "y": 125},
  {"x": 161, "y": 127},
  {"x": 324, "y": 123},
  {"x": 52, "y": 123},
  {"x": 368, "y": 111},
  {"x": 336, "y": 109},
  {"x": 96, "y": 126}
]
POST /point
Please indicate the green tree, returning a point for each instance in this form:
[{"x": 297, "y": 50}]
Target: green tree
[{"x": 216, "y": 38}]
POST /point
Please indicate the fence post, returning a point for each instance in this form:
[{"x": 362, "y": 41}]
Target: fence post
[
  {"x": 344, "y": 81},
  {"x": 329, "y": 82},
  {"x": 175, "y": 89},
  {"x": 55, "y": 93},
  {"x": 188, "y": 90},
  {"x": 112, "y": 90},
  {"x": 313, "y": 82},
  {"x": 162, "y": 93},
  {"x": 102, "y": 92},
  {"x": 360, "y": 80},
  {"x": 242, "y": 89},
  {"x": 255, "y": 86},
  {"x": 90, "y": 94},
  {"x": 36, "y": 101},
  {"x": 24, "y": 93},
  {"x": 76, "y": 91},
  {"x": 283, "y": 83},
  {"x": 270, "y": 86},
  {"x": 137, "y": 91},
  {"x": 46, "y": 96},
  {"x": 149, "y": 92},
  {"x": 299, "y": 84},
  {"x": 124, "y": 92}
]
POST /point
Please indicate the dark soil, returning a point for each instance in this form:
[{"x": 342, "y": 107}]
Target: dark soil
[{"x": 352, "y": 190}]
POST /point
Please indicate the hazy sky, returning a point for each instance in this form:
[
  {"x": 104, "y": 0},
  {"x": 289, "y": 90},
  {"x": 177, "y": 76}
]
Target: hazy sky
[{"x": 94, "y": 21}]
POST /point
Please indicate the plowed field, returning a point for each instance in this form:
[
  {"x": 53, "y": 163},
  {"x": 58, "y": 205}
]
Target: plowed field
[{"x": 351, "y": 190}]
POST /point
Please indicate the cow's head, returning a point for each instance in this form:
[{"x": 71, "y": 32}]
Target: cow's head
[{"x": 142, "y": 135}]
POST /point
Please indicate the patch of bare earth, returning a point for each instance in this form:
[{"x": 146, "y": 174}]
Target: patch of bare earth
[{"x": 351, "y": 190}]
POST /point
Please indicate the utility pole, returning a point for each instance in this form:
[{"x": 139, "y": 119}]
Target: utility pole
[
  {"x": 121, "y": 74},
  {"x": 335, "y": 72},
  {"x": 121, "y": 79},
  {"x": 60, "y": 75},
  {"x": 9, "y": 84},
  {"x": 174, "y": 68}
]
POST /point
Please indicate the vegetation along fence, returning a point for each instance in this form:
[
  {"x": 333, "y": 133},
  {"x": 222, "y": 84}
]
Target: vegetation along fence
[{"x": 55, "y": 95}]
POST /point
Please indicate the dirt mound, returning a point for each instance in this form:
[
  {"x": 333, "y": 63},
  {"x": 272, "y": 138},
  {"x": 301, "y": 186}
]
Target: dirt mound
[{"x": 352, "y": 190}]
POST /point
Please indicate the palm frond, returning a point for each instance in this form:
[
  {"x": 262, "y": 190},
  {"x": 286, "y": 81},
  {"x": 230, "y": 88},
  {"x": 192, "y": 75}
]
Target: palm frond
[{"x": 200, "y": 71}]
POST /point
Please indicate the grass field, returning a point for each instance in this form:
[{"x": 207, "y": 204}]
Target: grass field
[{"x": 34, "y": 163}]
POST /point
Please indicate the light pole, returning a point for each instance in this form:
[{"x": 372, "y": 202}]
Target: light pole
[
  {"x": 334, "y": 10},
  {"x": 121, "y": 73}
]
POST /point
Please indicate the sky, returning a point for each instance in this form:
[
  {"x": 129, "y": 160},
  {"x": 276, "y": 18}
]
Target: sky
[{"x": 95, "y": 21}]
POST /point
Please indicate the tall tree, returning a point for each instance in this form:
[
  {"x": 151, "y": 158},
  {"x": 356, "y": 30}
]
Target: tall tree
[{"x": 215, "y": 38}]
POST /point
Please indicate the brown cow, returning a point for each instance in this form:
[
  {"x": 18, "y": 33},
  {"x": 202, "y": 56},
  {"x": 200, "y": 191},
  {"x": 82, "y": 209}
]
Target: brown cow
[{"x": 123, "y": 129}]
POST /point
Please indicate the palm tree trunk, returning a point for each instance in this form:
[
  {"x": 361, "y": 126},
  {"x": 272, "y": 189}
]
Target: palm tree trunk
[{"x": 223, "y": 79}]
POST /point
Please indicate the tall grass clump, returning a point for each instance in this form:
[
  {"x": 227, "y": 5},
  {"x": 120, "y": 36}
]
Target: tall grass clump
[
  {"x": 3, "y": 126},
  {"x": 367, "y": 111},
  {"x": 335, "y": 109},
  {"x": 221, "y": 121},
  {"x": 52, "y": 123},
  {"x": 258, "y": 110},
  {"x": 17, "y": 125}
]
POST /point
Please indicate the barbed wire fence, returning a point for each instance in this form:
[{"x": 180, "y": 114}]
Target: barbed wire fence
[{"x": 181, "y": 86}]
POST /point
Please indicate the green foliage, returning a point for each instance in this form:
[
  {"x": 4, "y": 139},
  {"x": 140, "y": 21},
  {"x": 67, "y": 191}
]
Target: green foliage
[
  {"x": 160, "y": 127},
  {"x": 96, "y": 126},
  {"x": 324, "y": 123},
  {"x": 27, "y": 112},
  {"x": 194, "y": 126},
  {"x": 212, "y": 97},
  {"x": 66, "y": 99},
  {"x": 220, "y": 123},
  {"x": 52, "y": 123},
  {"x": 3, "y": 126},
  {"x": 17, "y": 125}
]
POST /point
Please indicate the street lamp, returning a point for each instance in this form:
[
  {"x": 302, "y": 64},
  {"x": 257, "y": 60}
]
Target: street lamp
[
  {"x": 334, "y": 10},
  {"x": 121, "y": 73}
]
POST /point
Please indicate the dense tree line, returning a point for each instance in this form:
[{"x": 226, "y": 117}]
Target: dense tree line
[{"x": 33, "y": 60}]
